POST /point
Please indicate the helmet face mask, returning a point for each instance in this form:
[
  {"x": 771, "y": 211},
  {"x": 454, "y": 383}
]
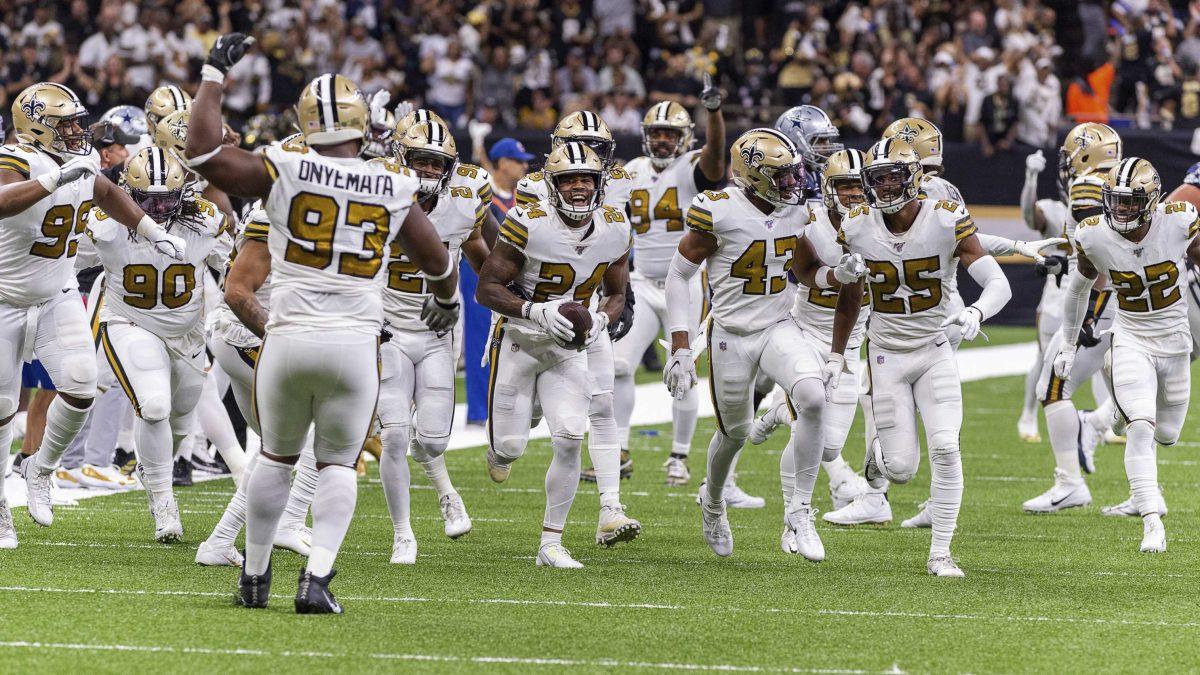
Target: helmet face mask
[
  {"x": 812, "y": 132},
  {"x": 767, "y": 165},
  {"x": 379, "y": 137},
  {"x": 1130, "y": 194},
  {"x": 841, "y": 186},
  {"x": 51, "y": 117},
  {"x": 72, "y": 135},
  {"x": 847, "y": 193},
  {"x": 156, "y": 181},
  {"x": 161, "y": 206},
  {"x": 576, "y": 177},
  {"x": 666, "y": 133},
  {"x": 889, "y": 187},
  {"x": 428, "y": 149},
  {"x": 432, "y": 168},
  {"x": 576, "y": 192},
  {"x": 663, "y": 142}
]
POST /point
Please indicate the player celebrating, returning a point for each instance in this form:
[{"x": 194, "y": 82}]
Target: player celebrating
[
  {"x": 1140, "y": 244},
  {"x": 588, "y": 128},
  {"x": 909, "y": 243},
  {"x": 152, "y": 322},
  {"x": 48, "y": 183},
  {"x": 418, "y": 364},
  {"x": 557, "y": 251},
  {"x": 814, "y": 135},
  {"x": 333, "y": 217}
]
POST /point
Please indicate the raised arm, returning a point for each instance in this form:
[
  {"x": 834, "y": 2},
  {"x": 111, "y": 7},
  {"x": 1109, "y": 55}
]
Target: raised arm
[{"x": 713, "y": 154}]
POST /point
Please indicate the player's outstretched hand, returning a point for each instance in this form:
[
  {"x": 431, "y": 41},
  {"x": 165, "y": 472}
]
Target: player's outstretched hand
[
  {"x": 73, "y": 169},
  {"x": 1035, "y": 163},
  {"x": 967, "y": 321},
  {"x": 1033, "y": 249},
  {"x": 228, "y": 50},
  {"x": 711, "y": 96}
]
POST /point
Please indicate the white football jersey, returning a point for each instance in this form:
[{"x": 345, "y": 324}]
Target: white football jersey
[
  {"x": 617, "y": 187},
  {"x": 908, "y": 273},
  {"x": 332, "y": 223},
  {"x": 560, "y": 261},
  {"x": 37, "y": 246},
  {"x": 1055, "y": 213},
  {"x": 747, "y": 274},
  {"x": 1148, "y": 276},
  {"x": 814, "y": 307},
  {"x": 656, "y": 210},
  {"x": 938, "y": 188},
  {"x": 224, "y": 323},
  {"x": 458, "y": 215},
  {"x": 152, "y": 290}
]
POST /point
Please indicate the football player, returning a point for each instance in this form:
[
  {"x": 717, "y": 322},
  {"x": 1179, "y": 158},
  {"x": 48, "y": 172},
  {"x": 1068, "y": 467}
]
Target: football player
[
  {"x": 163, "y": 101},
  {"x": 170, "y": 134},
  {"x": 749, "y": 238},
  {"x": 48, "y": 184},
  {"x": 1140, "y": 245},
  {"x": 814, "y": 135},
  {"x": 911, "y": 244},
  {"x": 151, "y": 328},
  {"x": 418, "y": 364},
  {"x": 557, "y": 251},
  {"x": 333, "y": 216}
]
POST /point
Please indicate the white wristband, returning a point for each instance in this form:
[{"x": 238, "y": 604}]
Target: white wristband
[
  {"x": 49, "y": 181},
  {"x": 443, "y": 275},
  {"x": 452, "y": 300},
  {"x": 211, "y": 74},
  {"x": 822, "y": 277},
  {"x": 194, "y": 162}
]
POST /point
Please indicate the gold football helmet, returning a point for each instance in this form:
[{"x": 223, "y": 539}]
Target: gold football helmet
[
  {"x": 171, "y": 132},
  {"x": 164, "y": 101},
  {"x": 1131, "y": 190},
  {"x": 415, "y": 117},
  {"x": 156, "y": 181},
  {"x": 924, "y": 137},
  {"x": 666, "y": 133},
  {"x": 428, "y": 149},
  {"x": 585, "y": 127},
  {"x": 1090, "y": 148},
  {"x": 767, "y": 164},
  {"x": 843, "y": 172},
  {"x": 574, "y": 159},
  {"x": 332, "y": 110},
  {"x": 51, "y": 117},
  {"x": 892, "y": 175}
]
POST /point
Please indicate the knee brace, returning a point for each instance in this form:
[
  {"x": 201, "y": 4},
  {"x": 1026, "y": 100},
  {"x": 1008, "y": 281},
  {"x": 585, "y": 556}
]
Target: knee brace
[
  {"x": 426, "y": 448},
  {"x": 570, "y": 426},
  {"x": 154, "y": 408},
  {"x": 898, "y": 465},
  {"x": 82, "y": 373},
  {"x": 601, "y": 406}
]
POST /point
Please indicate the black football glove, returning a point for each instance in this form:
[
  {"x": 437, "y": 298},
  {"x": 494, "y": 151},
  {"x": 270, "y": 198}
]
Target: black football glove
[
  {"x": 385, "y": 335},
  {"x": 1053, "y": 265},
  {"x": 1087, "y": 332},
  {"x": 618, "y": 330},
  {"x": 228, "y": 50}
]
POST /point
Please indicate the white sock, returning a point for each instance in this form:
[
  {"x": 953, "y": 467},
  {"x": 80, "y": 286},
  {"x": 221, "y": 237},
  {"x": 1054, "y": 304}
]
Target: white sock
[
  {"x": 300, "y": 497},
  {"x": 839, "y": 471},
  {"x": 266, "y": 490},
  {"x": 154, "y": 452},
  {"x": 550, "y": 538},
  {"x": 722, "y": 453},
  {"x": 562, "y": 480},
  {"x": 394, "y": 474},
  {"x": 435, "y": 471},
  {"x": 808, "y": 438},
  {"x": 945, "y": 496},
  {"x": 1062, "y": 422},
  {"x": 6, "y": 436},
  {"x": 1141, "y": 466},
  {"x": 333, "y": 509},
  {"x": 63, "y": 422},
  {"x": 214, "y": 420},
  {"x": 787, "y": 474},
  {"x": 604, "y": 451},
  {"x": 1030, "y": 401},
  {"x": 624, "y": 398},
  {"x": 683, "y": 422},
  {"x": 234, "y": 515}
]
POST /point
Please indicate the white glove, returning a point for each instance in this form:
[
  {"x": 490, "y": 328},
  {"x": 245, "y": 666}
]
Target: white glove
[
  {"x": 831, "y": 373},
  {"x": 549, "y": 319},
  {"x": 680, "y": 373},
  {"x": 599, "y": 326},
  {"x": 402, "y": 109},
  {"x": 1035, "y": 163},
  {"x": 439, "y": 316},
  {"x": 166, "y": 244},
  {"x": 71, "y": 170},
  {"x": 1064, "y": 360},
  {"x": 1033, "y": 249},
  {"x": 968, "y": 322},
  {"x": 378, "y": 106},
  {"x": 478, "y": 131},
  {"x": 850, "y": 268}
]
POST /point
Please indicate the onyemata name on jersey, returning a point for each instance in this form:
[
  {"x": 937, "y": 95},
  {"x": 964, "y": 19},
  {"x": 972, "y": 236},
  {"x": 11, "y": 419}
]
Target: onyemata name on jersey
[
  {"x": 617, "y": 188},
  {"x": 224, "y": 323},
  {"x": 1148, "y": 276},
  {"x": 38, "y": 245},
  {"x": 657, "y": 202},
  {"x": 748, "y": 272},
  {"x": 459, "y": 213},
  {"x": 145, "y": 287},
  {"x": 332, "y": 221},
  {"x": 814, "y": 307},
  {"x": 908, "y": 273},
  {"x": 560, "y": 261}
]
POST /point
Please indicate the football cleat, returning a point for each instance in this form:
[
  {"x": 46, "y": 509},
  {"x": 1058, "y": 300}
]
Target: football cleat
[
  {"x": 1066, "y": 493},
  {"x": 1089, "y": 437},
  {"x": 808, "y": 542},
  {"x": 404, "y": 550},
  {"x": 313, "y": 596},
  {"x": 68, "y": 478},
  {"x": 125, "y": 461},
  {"x": 497, "y": 470},
  {"x": 615, "y": 527},
  {"x": 37, "y": 489},
  {"x": 1027, "y": 427},
  {"x": 944, "y": 566},
  {"x": 1113, "y": 438},
  {"x": 181, "y": 473},
  {"x": 8, "y": 533},
  {"x": 921, "y": 520},
  {"x": 871, "y": 472},
  {"x": 454, "y": 513},
  {"x": 554, "y": 554},
  {"x": 715, "y": 523},
  {"x": 787, "y": 540},
  {"x": 215, "y": 466},
  {"x": 1154, "y": 536},
  {"x": 218, "y": 555},
  {"x": 737, "y": 498},
  {"x": 765, "y": 425},
  {"x": 677, "y": 471},
  {"x": 297, "y": 539},
  {"x": 869, "y": 508},
  {"x": 254, "y": 589},
  {"x": 105, "y": 478},
  {"x": 1127, "y": 508},
  {"x": 626, "y": 464},
  {"x": 847, "y": 491},
  {"x": 167, "y": 527}
]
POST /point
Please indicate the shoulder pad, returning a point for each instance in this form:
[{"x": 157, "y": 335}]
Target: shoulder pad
[
  {"x": 699, "y": 215},
  {"x": 1086, "y": 191},
  {"x": 16, "y": 158},
  {"x": 1090, "y": 221},
  {"x": 612, "y": 215},
  {"x": 618, "y": 173},
  {"x": 860, "y": 210}
]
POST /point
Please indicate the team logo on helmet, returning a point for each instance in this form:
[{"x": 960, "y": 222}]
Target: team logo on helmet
[
  {"x": 751, "y": 155},
  {"x": 179, "y": 128},
  {"x": 907, "y": 134},
  {"x": 1085, "y": 138},
  {"x": 33, "y": 107}
]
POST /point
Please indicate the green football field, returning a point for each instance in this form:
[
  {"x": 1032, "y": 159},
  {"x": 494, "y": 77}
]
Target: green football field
[{"x": 1061, "y": 593}]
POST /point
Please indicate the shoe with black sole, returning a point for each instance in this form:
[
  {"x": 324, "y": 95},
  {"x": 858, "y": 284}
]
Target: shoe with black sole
[
  {"x": 254, "y": 589},
  {"x": 313, "y": 596},
  {"x": 182, "y": 473},
  {"x": 125, "y": 461},
  {"x": 215, "y": 467}
]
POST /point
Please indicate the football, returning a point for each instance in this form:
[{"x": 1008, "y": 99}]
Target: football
[{"x": 580, "y": 318}]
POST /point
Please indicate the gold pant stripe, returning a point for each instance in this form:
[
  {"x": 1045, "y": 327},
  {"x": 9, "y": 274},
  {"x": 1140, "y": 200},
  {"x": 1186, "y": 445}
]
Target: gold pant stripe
[
  {"x": 712, "y": 378},
  {"x": 493, "y": 366},
  {"x": 117, "y": 368}
]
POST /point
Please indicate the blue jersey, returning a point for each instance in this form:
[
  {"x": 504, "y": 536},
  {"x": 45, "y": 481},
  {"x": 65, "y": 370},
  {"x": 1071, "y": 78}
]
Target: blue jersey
[
  {"x": 1192, "y": 177},
  {"x": 812, "y": 184}
]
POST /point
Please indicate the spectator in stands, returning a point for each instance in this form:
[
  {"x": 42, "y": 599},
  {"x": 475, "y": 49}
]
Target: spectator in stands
[
  {"x": 1039, "y": 105},
  {"x": 615, "y": 61},
  {"x": 674, "y": 84},
  {"x": 450, "y": 91},
  {"x": 574, "y": 78},
  {"x": 998, "y": 118},
  {"x": 620, "y": 115},
  {"x": 540, "y": 114}
]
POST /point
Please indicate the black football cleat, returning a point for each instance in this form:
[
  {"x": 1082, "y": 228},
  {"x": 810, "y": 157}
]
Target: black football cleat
[
  {"x": 313, "y": 596},
  {"x": 254, "y": 589},
  {"x": 182, "y": 473}
]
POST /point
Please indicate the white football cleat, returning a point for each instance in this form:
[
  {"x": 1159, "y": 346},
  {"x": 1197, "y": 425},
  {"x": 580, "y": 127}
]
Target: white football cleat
[
  {"x": 8, "y": 533},
  {"x": 921, "y": 520},
  {"x": 167, "y": 527},
  {"x": 944, "y": 566},
  {"x": 1126, "y": 508},
  {"x": 615, "y": 527},
  {"x": 1089, "y": 438},
  {"x": 1066, "y": 493},
  {"x": 454, "y": 513},
  {"x": 1113, "y": 438},
  {"x": 871, "y": 472},
  {"x": 715, "y": 523},
  {"x": 497, "y": 470},
  {"x": 68, "y": 478},
  {"x": 105, "y": 478},
  {"x": 37, "y": 489},
  {"x": 677, "y": 471},
  {"x": 556, "y": 555},
  {"x": 808, "y": 542},
  {"x": 736, "y": 498},
  {"x": 1027, "y": 427},
  {"x": 404, "y": 550},
  {"x": 869, "y": 508},
  {"x": 765, "y": 425},
  {"x": 221, "y": 555},
  {"x": 847, "y": 491},
  {"x": 295, "y": 538},
  {"x": 787, "y": 540},
  {"x": 1154, "y": 535}
]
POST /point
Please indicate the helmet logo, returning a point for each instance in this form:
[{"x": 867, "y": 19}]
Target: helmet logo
[
  {"x": 907, "y": 134},
  {"x": 179, "y": 128},
  {"x": 1085, "y": 138},
  {"x": 33, "y": 107},
  {"x": 751, "y": 155}
]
